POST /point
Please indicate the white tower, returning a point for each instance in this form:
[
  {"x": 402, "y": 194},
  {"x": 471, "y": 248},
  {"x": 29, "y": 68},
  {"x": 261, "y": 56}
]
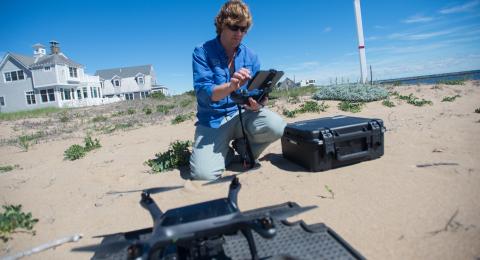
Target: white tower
[
  {"x": 361, "y": 42},
  {"x": 38, "y": 51}
]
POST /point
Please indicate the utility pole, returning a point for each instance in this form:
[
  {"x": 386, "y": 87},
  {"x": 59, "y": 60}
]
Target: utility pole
[{"x": 361, "y": 42}]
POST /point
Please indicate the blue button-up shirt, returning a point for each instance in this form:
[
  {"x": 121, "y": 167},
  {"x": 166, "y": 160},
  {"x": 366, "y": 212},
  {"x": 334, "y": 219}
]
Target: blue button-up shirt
[{"x": 210, "y": 69}]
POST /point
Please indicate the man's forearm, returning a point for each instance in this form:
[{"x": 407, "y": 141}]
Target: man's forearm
[{"x": 221, "y": 91}]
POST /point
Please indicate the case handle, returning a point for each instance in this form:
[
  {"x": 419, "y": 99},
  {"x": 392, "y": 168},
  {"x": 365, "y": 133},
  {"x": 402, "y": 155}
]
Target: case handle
[{"x": 352, "y": 156}]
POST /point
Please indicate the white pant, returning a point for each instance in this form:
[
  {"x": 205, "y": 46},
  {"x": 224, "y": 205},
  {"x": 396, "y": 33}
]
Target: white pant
[{"x": 211, "y": 148}]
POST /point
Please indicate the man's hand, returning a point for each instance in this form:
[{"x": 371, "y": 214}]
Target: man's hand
[
  {"x": 254, "y": 105},
  {"x": 239, "y": 78}
]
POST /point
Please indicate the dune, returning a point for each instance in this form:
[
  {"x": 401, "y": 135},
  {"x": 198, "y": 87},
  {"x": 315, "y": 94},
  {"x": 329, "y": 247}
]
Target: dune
[{"x": 421, "y": 200}]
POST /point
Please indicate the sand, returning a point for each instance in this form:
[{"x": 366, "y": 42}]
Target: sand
[{"x": 386, "y": 208}]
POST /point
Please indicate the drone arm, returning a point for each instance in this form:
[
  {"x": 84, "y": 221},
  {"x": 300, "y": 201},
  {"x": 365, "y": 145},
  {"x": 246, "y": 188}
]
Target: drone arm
[
  {"x": 233, "y": 190},
  {"x": 149, "y": 204}
]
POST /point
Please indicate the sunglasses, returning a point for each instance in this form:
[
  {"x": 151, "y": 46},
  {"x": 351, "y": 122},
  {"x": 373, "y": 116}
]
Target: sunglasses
[{"x": 236, "y": 28}]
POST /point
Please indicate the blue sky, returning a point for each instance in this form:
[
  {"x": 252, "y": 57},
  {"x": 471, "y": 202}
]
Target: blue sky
[{"x": 307, "y": 39}]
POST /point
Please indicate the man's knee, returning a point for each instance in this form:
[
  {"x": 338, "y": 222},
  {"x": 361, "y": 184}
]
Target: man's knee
[{"x": 204, "y": 171}]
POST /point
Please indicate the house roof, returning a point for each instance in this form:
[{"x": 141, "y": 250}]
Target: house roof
[
  {"x": 125, "y": 72},
  {"x": 25, "y": 60},
  {"x": 29, "y": 62},
  {"x": 54, "y": 59}
]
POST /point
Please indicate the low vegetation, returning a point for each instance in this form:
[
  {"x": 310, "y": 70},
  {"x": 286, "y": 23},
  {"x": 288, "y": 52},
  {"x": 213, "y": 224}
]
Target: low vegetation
[
  {"x": 42, "y": 112},
  {"x": 13, "y": 220},
  {"x": 450, "y": 99},
  {"x": 25, "y": 141},
  {"x": 351, "y": 92},
  {"x": 307, "y": 107},
  {"x": 412, "y": 100},
  {"x": 77, "y": 151},
  {"x": 452, "y": 82},
  {"x": 349, "y": 106},
  {"x": 388, "y": 103},
  {"x": 7, "y": 168},
  {"x": 182, "y": 118},
  {"x": 177, "y": 155}
]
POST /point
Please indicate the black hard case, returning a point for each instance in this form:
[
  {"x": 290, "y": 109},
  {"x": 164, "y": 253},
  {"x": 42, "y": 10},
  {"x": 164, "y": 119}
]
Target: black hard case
[{"x": 325, "y": 143}]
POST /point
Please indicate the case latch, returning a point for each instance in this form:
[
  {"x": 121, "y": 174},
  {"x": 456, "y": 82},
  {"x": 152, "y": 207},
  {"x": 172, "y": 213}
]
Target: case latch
[{"x": 328, "y": 142}]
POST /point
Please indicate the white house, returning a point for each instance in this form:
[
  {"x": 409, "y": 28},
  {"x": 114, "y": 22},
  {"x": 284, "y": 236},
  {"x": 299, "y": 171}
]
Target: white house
[
  {"x": 129, "y": 83},
  {"x": 307, "y": 82},
  {"x": 46, "y": 80}
]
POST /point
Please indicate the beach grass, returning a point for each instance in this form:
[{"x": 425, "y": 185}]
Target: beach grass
[{"x": 41, "y": 112}]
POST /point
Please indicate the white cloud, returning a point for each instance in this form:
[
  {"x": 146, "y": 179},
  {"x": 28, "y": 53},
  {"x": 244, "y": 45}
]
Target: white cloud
[
  {"x": 418, "y": 19},
  {"x": 460, "y": 8},
  {"x": 418, "y": 36},
  {"x": 327, "y": 29}
]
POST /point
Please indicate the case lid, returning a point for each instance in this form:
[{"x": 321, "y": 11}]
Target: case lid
[{"x": 310, "y": 129}]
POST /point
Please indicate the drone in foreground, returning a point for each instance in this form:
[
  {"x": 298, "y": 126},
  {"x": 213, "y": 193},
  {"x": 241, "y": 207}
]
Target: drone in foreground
[{"x": 202, "y": 231}]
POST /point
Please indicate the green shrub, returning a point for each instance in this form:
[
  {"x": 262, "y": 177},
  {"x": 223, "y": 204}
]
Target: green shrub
[
  {"x": 8, "y": 168},
  {"x": 388, "y": 103},
  {"x": 157, "y": 95},
  {"x": 450, "y": 99},
  {"x": 413, "y": 100},
  {"x": 91, "y": 144},
  {"x": 397, "y": 83},
  {"x": 147, "y": 110},
  {"x": 13, "y": 219},
  {"x": 348, "y": 106},
  {"x": 181, "y": 118},
  {"x": 131, "y": 111},
  {"x": 177, "y": 155},
  {"x": 164, "y": 108},
  {"x": 186, "y": 102},
  {"x": 74, "y": 152},
  {"x": 64, "y": 117},
  {"x": 289, "y": 113},
  {"x": 99, "y": 118},
  {"x": 313, "y": 107},
  {"x": 351, "y": 92},
  {"x": 118, "y": 113},
  {"x": 25, "y": 141}
]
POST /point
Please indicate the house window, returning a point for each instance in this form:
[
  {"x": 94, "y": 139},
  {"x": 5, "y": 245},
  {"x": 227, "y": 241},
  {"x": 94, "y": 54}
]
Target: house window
[
  {"x": 47, "y": 95},
  {"x": 66, "y": 94},
  {"x": 116, "y": 83},
  {"x": 79, "y": 93},
  {"x": 95, "y": 94},
  {"x": 85, "y": 92},
  {"x": 30, "y": 97},
  {"x": 101, "y": 84},
  {"x": 47, "y": 68},
  {"x": 129, "y": 96},
  {"x": 73, "y": 72},
  {"x": 140, "y": 81},
  {"x": 14, "y": 76},
  {"x": 72, "y": 93},
  {"x": 2, "y": 101}
]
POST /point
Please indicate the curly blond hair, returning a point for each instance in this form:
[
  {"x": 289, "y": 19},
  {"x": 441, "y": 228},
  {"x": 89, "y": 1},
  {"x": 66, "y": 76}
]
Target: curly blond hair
[{"x": 231, "y": 13}]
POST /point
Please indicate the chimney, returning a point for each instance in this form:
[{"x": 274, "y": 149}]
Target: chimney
[
  {"x": 38, "y": 51},
  {"x": 54, "y": 48}
]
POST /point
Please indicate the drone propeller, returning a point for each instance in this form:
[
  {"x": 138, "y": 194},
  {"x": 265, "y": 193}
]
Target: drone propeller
[
  {"x": 150, "y": 191},
  {"x": 276, "y": 214},
  {"x": 108, "y": 247}
]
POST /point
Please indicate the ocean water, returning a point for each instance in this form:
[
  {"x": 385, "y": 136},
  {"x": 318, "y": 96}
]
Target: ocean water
[{"x": 433, "y": 79}]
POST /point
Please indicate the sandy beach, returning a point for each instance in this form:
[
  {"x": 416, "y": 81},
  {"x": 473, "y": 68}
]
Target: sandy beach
[{"x": 389, "y": 208}]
